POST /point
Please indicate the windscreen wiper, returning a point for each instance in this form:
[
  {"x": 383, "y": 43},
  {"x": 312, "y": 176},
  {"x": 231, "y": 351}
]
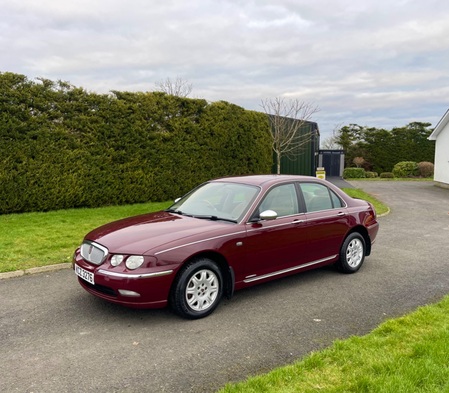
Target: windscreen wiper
[
  {"x": 176, "y": 211},
  {"x": 214, "y": 218}
]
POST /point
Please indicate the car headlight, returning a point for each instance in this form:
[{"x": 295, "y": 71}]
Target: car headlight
[
  {"x": 116, "y": 260},
  {"x": 134, "y": 261}
]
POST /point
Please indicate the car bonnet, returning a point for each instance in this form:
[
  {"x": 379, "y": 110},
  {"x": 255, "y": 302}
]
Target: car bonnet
[{"x": 143, "y": 234}]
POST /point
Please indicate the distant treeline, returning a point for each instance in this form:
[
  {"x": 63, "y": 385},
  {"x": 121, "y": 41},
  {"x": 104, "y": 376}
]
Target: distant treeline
[
  {"x": 382, "y": 149},
  {"x": 64, "y": 147}
]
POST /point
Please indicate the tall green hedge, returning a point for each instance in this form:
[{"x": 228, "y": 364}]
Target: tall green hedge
[
  {"x": 63, "y": 147},
  {"x": 383, "y": 149}
]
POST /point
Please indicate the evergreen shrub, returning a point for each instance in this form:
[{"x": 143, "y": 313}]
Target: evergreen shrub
[
  {"x": 354, "y": 173},
  {"x": 405, "y": 169}
]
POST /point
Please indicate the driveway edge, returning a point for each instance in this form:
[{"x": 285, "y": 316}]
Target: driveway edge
[{"x": 35, "y": 270}]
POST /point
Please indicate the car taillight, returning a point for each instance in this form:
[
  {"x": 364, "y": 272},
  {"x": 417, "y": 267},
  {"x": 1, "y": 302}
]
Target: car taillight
[{"x": 372, "y": 215}]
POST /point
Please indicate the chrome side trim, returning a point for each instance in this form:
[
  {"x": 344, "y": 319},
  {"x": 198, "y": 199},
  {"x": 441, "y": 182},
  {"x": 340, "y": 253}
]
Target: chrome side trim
[
  {"x": 334, "y": 215},
  {"x": 291, "y": 269},
  {"x": 284, "y": 224},
  {"x": 199, "y": 241},
  {"x": 137, "y": 276}
]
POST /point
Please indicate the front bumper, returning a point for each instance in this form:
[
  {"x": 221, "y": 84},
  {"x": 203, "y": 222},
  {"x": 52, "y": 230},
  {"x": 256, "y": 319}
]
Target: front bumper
[{"x": 140, "y": 289}]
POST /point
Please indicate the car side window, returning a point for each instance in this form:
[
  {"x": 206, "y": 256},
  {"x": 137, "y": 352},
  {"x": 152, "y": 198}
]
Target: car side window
[
  {"x": 281, "y": 199},
  {"x": 318, "y": 197},
  {"x": 337, "y": 202}
]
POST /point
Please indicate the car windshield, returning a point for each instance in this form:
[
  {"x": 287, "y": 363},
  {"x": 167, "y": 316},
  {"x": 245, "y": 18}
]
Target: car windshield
[{"x": 217, "y": 201}]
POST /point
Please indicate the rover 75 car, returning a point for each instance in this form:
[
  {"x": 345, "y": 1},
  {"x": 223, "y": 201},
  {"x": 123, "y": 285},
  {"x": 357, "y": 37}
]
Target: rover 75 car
[{"x": 224, "y": 235}]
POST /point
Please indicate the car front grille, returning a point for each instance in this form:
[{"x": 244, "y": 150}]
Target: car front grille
[{"x": 93, "y": 252}]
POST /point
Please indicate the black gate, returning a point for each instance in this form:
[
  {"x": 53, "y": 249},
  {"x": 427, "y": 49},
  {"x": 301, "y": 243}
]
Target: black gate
[{"x": 332, "y": 161}]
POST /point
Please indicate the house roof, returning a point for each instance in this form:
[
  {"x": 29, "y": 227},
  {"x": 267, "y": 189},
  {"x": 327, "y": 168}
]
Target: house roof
[{"x": 440, "y": 126}]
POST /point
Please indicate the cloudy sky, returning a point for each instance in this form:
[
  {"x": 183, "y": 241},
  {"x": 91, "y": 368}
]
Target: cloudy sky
[{"x": 379, "y": 63}]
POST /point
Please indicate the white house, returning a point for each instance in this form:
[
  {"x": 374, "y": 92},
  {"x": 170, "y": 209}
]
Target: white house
[{"x": 441, "y": 137}]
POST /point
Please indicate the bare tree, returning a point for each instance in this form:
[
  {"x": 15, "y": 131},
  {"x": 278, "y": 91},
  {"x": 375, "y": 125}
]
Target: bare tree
[
  {"x": 287, "y": 117},
  {"x": 179, "y": 87},
  {"x": 329, "y": 143}
]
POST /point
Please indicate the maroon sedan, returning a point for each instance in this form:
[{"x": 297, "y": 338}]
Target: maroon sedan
[{"x": 225, "y": 235}]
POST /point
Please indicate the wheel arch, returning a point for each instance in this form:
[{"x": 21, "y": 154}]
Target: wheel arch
[
  {"x": 226, "y": 270},
  {"x": 364, "y": 232}
]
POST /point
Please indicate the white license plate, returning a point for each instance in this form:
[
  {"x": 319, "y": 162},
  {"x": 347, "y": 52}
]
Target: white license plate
[{"x": 84, "y": 274}]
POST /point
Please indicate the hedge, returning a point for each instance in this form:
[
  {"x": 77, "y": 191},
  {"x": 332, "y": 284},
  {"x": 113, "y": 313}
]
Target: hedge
[
  {"x": 354, "y": 173},
  {"x": 62, "y": 147}
]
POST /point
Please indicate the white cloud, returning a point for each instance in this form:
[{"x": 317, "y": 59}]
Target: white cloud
[{"x": 376, "y": 63}]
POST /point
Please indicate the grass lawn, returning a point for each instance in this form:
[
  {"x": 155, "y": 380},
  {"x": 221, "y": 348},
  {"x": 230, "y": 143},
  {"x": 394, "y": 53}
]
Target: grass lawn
[
  {"x": 38, "y": 239},
  {"x": 404, "y": 355},
  {"x": 360, "y": 194}
]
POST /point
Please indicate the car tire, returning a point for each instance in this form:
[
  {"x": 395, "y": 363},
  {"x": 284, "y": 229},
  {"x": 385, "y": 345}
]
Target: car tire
[
  {"x": 198, "y": 289},
  {"x": 352, "y": 253}
]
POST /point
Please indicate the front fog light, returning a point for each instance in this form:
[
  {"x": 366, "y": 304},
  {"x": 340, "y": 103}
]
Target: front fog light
[
  {"x": 125, "y": 292},
  {"x": 134, "y": 261},
  {"x": 116, "y": 260}
]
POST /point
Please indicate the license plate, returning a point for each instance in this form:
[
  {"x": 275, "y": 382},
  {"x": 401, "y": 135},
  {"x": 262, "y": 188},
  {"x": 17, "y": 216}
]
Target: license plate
[{"x": 84, "y": 274}]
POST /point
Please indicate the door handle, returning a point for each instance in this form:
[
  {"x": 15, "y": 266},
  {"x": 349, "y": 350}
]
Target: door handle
[
  {"x": 341, "y": 214},
  {"x": 298, "y": 221}
]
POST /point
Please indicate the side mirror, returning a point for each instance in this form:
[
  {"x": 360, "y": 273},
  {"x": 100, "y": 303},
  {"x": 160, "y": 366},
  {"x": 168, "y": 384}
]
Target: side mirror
[
  {"x": 177, "y": 200},
  {"x": 268, "y": 215}
]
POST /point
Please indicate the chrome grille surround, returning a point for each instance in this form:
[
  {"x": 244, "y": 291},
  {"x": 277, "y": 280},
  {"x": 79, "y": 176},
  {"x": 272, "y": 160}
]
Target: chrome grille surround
[{"x": 93, "y": 252}]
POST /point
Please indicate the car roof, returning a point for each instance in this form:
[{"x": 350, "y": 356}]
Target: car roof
[{"x": 260, "y": 180}]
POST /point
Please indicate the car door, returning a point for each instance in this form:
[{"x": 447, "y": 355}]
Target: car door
[
  {"x": 272, "y": 246},
  {"x": 327, "y": 221}
]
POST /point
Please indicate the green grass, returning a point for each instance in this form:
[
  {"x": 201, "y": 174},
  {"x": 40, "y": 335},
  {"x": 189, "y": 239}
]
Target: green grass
[
  {"x": 360, "y": 194},
  {"x": 392, "y": 179},
  {"x": 38, "y": 239},
  {"x": 409, "y": 354}
]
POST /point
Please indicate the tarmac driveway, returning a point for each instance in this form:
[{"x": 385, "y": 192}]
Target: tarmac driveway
[{"x": 54, "y": 337}]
